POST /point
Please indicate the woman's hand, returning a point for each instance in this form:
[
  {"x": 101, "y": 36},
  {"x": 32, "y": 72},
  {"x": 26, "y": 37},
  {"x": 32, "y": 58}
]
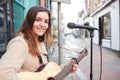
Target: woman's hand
[{"x": 75, "y": 68}]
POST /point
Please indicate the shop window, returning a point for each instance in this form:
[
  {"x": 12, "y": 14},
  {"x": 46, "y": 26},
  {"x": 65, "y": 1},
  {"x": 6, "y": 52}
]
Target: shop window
[
  {"x": 106, "y": 26},
  {"x": 5, "y": 34}
]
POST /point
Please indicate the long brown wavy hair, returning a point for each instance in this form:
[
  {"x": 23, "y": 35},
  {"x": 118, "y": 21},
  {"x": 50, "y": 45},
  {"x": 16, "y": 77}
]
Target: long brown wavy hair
[{"x": 29, "y": 35}]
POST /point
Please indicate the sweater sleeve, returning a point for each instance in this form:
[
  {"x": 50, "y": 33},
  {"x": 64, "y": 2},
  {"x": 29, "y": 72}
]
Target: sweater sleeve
[{"x": 12, "y": 60}]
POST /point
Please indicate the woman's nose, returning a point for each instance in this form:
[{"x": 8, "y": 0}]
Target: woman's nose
[{"x": 42, "y": 23}]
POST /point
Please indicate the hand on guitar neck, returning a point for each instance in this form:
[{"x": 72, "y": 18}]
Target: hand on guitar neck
[
  {"x": 75, "y": 66},
  {"x": 84, "y": 52}
]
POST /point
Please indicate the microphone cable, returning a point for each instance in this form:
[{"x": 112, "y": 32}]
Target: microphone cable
[{"x": 100, "y": 62}]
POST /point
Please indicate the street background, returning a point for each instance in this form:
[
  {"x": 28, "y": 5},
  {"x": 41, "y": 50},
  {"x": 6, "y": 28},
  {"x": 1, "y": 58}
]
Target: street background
[{"x": 101, "y": 14}]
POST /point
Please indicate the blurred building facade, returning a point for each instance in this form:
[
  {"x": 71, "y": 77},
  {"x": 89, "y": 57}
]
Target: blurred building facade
[{"x": 104, "y": 15}]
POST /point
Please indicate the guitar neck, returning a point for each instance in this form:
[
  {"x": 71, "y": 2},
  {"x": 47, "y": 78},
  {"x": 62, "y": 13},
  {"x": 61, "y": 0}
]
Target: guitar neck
[{"x": 67, "y": 68}]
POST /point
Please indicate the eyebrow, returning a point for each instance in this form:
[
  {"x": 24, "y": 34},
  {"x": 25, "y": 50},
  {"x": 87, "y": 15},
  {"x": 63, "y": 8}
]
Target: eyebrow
[{"x": 40, "y": 18}]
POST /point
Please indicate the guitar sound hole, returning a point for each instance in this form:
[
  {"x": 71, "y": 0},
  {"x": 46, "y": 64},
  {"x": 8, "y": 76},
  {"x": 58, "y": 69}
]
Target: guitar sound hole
[{"x": 51, "y": 78}]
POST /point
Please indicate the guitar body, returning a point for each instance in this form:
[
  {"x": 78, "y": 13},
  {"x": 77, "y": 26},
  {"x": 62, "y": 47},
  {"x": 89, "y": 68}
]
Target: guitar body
[{"x": 50, "y": 70}]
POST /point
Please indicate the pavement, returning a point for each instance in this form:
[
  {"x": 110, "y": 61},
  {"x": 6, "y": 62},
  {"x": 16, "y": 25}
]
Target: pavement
[{"x": 108, "y": 59}]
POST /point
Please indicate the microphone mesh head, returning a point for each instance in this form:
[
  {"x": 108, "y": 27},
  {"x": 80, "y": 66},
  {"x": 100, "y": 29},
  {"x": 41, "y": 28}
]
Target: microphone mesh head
[{"x": 70, "y": 25}]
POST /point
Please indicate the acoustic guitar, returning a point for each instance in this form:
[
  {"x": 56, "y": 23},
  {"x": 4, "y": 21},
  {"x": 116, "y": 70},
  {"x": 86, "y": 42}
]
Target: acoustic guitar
[{"x": 52, "y": 71}]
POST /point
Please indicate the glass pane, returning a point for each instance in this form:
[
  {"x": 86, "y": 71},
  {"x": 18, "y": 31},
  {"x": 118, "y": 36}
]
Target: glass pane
[
  {"x": 2, "y": 26},
  {"x": 107, "y": 26},
  {"x": 2, "y": 30}
]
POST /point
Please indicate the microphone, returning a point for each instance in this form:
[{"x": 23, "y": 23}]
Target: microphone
[{"x": 73, "y": 25}]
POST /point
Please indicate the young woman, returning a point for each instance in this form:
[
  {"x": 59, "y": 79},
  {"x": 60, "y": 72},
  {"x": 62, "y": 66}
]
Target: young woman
[{"x": 28, "y": 50}]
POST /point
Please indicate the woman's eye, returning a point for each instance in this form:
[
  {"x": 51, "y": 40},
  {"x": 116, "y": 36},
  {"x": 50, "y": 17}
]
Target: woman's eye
[
  {"x": 37, "y": 19},
  {"x": 46, "y": 21}
]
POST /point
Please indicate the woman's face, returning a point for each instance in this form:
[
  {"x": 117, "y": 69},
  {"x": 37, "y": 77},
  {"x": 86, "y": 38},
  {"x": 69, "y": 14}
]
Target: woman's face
[{"x": 41, "y": 23}]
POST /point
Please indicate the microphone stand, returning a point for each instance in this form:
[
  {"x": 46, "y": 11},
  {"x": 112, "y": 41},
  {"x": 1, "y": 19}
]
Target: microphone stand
[
  {"x": 91, "y": 30},
  {"x": 91, "y": 51}
]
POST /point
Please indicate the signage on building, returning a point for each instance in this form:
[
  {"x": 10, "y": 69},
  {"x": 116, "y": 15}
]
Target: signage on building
[{"x": 63, "y": 1}]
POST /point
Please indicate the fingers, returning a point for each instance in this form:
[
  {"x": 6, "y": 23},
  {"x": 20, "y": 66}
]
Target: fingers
[
  {"x": 75, "y": 68},
  {"x": 85, "y": 51}
]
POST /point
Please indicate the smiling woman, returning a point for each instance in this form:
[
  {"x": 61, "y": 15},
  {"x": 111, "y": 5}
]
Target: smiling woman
[
  {"x": 23, "y": 50},
  {"x": 41, "y": 23}
]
